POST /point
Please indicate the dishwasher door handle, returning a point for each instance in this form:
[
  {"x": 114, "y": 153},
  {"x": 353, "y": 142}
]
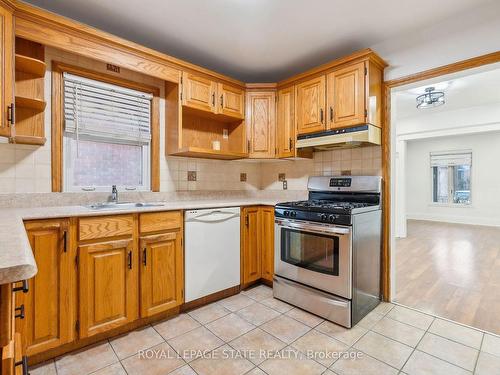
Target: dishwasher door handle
[{"x": 213, "y": 216}]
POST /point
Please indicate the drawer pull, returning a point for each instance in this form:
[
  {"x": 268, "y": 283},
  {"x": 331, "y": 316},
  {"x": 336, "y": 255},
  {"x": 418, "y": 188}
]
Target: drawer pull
[
  {"x": 23, "y": 362},
  {"x": 144, "y": 255},
  {"x": 21, "y": 312},
  {"x": 25, "y": 288}
]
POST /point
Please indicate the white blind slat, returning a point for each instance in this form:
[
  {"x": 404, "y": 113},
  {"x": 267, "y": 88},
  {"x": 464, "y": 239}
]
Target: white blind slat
[
  {"x": 444, "y": 159},
  {"x": 101, "y": 109}
]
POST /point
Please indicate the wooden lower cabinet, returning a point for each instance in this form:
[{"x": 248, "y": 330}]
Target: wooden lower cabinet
[
  {"x": 107, "y": 285},
  {"x": 251, "y": 269},
  {"x": 48, "y": 302},
  {"x": 161, "y": 272},
  {"x": 257, "y": 244},
  {"x": 267, "y": 242}
]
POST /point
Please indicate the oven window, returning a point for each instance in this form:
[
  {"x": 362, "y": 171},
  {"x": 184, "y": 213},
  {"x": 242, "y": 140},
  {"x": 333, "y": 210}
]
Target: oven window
[{"x": 313, "y": 251}]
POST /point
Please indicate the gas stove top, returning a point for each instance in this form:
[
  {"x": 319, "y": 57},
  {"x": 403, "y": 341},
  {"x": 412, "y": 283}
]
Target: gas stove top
[
  {"x": 326, "y": 205},
  {"x": 334, "y": 200}
]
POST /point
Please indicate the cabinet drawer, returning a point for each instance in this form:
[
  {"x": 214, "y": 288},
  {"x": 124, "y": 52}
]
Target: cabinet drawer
[
  {"x": 160, "y": 221},
  {"x": 90, "y": 228}
]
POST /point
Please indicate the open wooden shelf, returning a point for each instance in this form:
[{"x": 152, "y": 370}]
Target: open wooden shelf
[
  {"x": 28, "y": 140},
  {"x": 198, "y": 152},
  {"x": 30, "y": 65},
  {"x": 32, "y": 103}
]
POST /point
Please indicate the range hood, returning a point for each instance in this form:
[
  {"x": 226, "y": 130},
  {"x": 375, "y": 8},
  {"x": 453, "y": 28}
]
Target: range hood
[{"x": 362, "y": 135}]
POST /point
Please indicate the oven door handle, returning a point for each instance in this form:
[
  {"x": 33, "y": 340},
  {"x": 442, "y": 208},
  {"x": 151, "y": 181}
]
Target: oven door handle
[{"x": 306, "y": 227}]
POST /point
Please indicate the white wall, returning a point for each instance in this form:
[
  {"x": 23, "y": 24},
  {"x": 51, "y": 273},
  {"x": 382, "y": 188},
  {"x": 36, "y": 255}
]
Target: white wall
[
  {"x": 458, "y": 38},
  {"x": 485, "y": 179}
]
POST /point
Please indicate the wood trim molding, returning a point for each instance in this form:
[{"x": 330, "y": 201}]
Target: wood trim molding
[
  {"x": 365, "y": 54},
  {"x": 58, "y": 68},
  {"x": 459, "y": 66},
  {"x": 57, "y": 31}
]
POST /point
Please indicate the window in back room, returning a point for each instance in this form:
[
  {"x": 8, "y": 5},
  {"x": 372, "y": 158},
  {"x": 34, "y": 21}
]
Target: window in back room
[
  {"x": 107, "y": 136},
  {"x": 451, "y": 175}
]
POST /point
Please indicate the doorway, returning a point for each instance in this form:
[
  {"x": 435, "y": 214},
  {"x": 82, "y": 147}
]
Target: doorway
[{"x": 445, "y": 257}]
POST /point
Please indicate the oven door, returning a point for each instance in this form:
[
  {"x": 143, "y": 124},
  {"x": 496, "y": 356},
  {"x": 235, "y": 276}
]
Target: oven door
[{"x": 314, "y": 254}]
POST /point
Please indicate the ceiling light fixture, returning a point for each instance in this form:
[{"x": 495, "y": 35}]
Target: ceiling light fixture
[{"x": 430, "y": 99}]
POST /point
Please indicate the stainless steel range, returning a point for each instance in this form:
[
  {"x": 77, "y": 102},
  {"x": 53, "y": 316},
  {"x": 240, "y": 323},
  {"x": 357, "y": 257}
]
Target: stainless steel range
[{"x": 327, "y": 249}]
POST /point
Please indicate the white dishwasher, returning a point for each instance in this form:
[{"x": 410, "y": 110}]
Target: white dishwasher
[{"x": 211, "y": 251}]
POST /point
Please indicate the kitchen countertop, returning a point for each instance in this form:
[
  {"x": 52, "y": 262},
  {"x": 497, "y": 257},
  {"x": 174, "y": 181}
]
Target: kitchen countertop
[{"x": 16, "y": 257}]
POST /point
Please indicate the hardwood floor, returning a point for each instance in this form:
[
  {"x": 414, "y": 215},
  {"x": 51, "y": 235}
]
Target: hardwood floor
[{"x": 451, "y": 270}]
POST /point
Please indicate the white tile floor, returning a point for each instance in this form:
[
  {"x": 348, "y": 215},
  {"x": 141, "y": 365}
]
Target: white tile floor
[{"x": 253, "y": 333}]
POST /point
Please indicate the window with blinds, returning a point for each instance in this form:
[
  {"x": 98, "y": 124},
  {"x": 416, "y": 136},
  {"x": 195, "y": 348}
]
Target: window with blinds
[
  {"x": 451, "y": 177},
  {"x": 107, "y": 135}
]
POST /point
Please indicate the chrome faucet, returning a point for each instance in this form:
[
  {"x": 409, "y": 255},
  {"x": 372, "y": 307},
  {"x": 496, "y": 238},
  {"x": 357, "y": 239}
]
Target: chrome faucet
[{"x": 114, "y": 194}]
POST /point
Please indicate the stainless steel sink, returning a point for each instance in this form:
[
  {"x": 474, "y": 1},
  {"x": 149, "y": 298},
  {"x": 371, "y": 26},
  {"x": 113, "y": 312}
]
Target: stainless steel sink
[{"x": 122, "y": 205}]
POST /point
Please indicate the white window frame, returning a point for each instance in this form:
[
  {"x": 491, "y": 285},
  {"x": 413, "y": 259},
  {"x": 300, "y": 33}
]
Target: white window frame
[
  {"x": 70, "y": 147},
  {"x": 70, "y": 150},
  {"x": 450, "y": 202}
]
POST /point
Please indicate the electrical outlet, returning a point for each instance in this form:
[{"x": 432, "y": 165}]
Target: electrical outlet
[
  {"x": 243, "y": 177},
  {"x": 191, "y": 175},
  {"x": 281, "y": 177},
  {"x": 225, "y": 134},
  {"x": 285, "y": 184}
]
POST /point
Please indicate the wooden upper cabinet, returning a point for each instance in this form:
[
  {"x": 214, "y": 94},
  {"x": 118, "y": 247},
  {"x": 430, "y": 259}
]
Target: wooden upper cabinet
[
  {"x": 6, "y": 70},
  {"x": 261, "y": 124},
  {"x": 162, "y": 275},
  {"x": 107, "y": 285},
  {"x": 267, "y": 242},
  {"x": 199, "y": 92},
  {"x": 231, "y": 101},
  {"x": 311, "y": 105},
  {"x": 346, "y": 96},
  {"x": 285, "y": 129},
  {"x": 251, "y": 248},
  {"x": 49, "y": 303}
]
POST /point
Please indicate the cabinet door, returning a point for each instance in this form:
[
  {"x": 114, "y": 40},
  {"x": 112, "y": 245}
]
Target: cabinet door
[
  {"x": 108, "y": 286},
  {"x": 346, "y": 96},
  {"x": 6, "y": 69},
  {"x": 251, "y": 253},
  {"x": 261, "y": 124},
  {"x": 48, "y": 304},
  {"x": 285, "y": 130},
  {"x": 162, "y": 276},
  {"x": 311, "y": 106},
  {"x": 267, "y": 242},
  {"x": 231, "y": 101},
  {"x": 198, "y": 92}
]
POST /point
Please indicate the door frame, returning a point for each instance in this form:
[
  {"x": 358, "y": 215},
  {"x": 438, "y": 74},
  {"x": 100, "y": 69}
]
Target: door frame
[{"x": 388, "y": 141}]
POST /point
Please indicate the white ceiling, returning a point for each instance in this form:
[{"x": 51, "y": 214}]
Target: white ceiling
[
  {"x": 259, "y": 40},
  {"x": 470, "y": 88}
]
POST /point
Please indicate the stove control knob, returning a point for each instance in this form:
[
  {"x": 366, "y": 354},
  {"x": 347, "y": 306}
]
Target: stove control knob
[
  {"x": 293, "y": 213},
  {"x": 286, "y": 213},
  {"x": 324, "y": 217},
  {"x": 331, "y": 218}
]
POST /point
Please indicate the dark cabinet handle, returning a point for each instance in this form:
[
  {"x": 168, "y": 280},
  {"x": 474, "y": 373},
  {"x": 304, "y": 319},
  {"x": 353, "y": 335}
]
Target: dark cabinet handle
[
  {"x": 65, "y": 241},
  {"x": 321, "y": 115},
  {"x": 144, "y": 254},
  {"x": 290, "y": 144},
  {"x": 213, "y": 99},
  {"x": 222, "y": 101},
  {"x": 23, "y": 362},
  {"x": 25, "y": 288},
  {"x": 11, "y": 114},
  {"x": 331, "y": 114},
  {"x": 21, "y": 312},
  {"x": 129, "y": 260}
]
